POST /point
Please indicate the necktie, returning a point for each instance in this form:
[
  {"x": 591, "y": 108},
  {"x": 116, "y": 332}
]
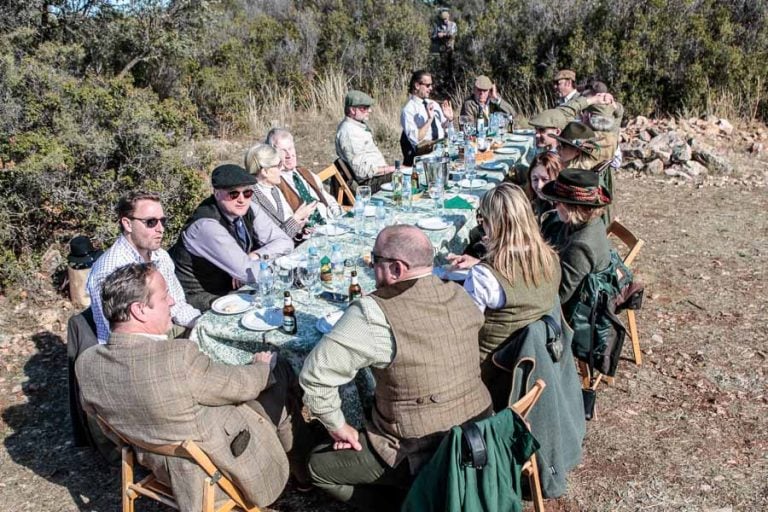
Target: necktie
[
  {"x": 278, "y": 203},
  {"x": 301, "y": 188},
  {"x": 435, "y": 131},
  {"x": 242, "y": 234}
]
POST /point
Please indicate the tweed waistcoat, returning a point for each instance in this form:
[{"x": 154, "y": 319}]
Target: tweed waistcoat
[
  {"x": 524, "y": 305},
  {"x": 292, "y": 197},
  {"x": 203, "y": 281},
  {"x": 433, "y": 382}
]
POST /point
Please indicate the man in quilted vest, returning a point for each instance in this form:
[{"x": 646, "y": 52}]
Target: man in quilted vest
[{"x": 419, "y": 336}]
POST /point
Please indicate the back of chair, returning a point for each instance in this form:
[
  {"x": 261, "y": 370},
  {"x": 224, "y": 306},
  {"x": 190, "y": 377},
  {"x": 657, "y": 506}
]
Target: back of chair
[
  {"x": 523, "y": 406},
  {"x": 338, "y": 186},
  {"x": 633, "y": 243}
]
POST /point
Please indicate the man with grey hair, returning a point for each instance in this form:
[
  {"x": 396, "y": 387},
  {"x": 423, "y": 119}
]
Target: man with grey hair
[
  {"x": 298, "y": 184},
  {"x": 156, "y": 391},
  {"x": 484, "y": 101},
  {"x": 419, "y": 336},
  {"x": 355, "y": 144}
]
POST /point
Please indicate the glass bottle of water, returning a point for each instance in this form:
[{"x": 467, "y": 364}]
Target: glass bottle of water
[
  {"x": 266, "y": 283},
  {"x": 407, "y": 193},
  {"x": 397, "y": 185}
]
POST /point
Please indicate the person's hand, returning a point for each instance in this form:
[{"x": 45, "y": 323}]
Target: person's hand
[
  {"x": 303, "y": 212},
  {"x": 264, "y": 357},
  {"x": 236, "y": 284},
  {"x": 447, "y": 110},
  {"x": 430, "y": 111},
  {"x": 461, "y": 261},
  {"x": 385, "y": 169},
  {"x": 494, "y": 96},
  {"x": 254, "y": 256},
  {"x": 603, "y": 98},
  {"x": 346, "y": 438}
]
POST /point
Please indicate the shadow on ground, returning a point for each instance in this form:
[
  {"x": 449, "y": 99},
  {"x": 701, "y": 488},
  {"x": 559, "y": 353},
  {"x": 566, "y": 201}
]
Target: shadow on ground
[{"x": 42, "y": 434}]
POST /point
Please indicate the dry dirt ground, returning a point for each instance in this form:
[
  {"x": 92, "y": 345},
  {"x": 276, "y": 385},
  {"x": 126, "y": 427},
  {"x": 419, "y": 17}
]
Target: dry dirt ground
[{"x": 687, "y": 430}]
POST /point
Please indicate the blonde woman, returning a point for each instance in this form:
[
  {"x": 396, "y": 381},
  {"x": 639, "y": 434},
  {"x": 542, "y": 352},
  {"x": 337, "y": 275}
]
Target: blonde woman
[
  {"x": 263, "y": 162},
  {"x": 580, "y": 239},
  {"x": 516, "y": 282}
]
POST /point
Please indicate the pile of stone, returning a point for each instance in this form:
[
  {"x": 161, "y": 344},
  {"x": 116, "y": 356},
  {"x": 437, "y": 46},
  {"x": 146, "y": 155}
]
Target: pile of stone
[{"x": 676, "y": 148}]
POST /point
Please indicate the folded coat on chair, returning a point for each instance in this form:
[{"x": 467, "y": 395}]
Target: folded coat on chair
[{"x": 557, "y": 422}]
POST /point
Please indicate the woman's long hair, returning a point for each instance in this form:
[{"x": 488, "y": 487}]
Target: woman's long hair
[
  {"x": 551, "y": 164},
  {"x": 514, "y": 241}
]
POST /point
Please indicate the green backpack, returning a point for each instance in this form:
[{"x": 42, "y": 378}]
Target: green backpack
[{"x": 598, "y": 333}]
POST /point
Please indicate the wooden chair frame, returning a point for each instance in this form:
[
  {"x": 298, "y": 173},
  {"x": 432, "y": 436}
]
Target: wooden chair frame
[
  {"x": 531, "y": 468},
  {"x": 634, "y": 244},
  {"x": 344, "y": 196},
  {"x": 152, "y": 488}
]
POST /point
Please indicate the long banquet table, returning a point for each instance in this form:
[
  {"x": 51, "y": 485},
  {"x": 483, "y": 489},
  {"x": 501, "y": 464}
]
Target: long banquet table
[{"x": 224, "y": 338}]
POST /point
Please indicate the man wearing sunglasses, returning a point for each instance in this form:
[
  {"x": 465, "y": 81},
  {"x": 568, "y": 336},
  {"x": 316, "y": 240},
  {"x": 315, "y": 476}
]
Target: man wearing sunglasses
[
  {"x": 419, "y": 337},
  {"x": 423, "y": 120},
  {"x": 223, "y": 240},
  {"x": 142, "y": 224}
]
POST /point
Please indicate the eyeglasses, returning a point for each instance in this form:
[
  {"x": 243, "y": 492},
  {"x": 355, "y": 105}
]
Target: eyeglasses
[
  {"x": 151, "y": 222},
  {"x": 234, "y": 194},
  {"x": 430, "y": 84},
  {"x": 378, "y": 258}
]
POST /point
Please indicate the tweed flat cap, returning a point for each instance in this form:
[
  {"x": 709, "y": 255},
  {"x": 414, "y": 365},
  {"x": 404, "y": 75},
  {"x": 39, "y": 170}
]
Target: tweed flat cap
[
  {"x": 565, "y": 74},
  {"x": 358, "y": 99},
  {"x": 231, "y": 175},
  {"x": 483, "y": 82},
  {"x": 551, "y": 118}
]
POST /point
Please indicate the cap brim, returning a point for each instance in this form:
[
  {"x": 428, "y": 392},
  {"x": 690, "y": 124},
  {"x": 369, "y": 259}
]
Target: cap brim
[{"x": 569, "y": 143}]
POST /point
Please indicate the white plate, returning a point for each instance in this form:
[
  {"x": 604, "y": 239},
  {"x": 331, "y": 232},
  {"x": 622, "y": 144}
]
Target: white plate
[
  {"x": 387, "y": 187},
  {"x": 517, "y": 138},
  {"x": 446, "y": 273},
  {"x": 232, "y": 304},
  {"x": 289, "y": 260},
  {"x": 328, "y": 230},
  {"x": 433, "y": 223},
  {"x": 325, "y": 324},
  {"x": 476, "y": 183},
  {"x": 527, "y": 131},
  {"x": 261, "y": 320},
  {"x": 505, "y": 150},
  {"x": 494, "y": 166}
]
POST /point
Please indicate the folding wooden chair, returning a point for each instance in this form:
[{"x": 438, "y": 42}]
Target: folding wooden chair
[
  {"x": 634, "y": 245},
  {"x": 152, "y": 488},
  {"x": 531, "y": 469},
  {"x": 344, "y": 195}
]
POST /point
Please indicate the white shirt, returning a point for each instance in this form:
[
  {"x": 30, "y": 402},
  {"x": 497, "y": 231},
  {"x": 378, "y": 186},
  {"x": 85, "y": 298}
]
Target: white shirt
[
  {"x": 267, "y": 191},
  {"x": 332, "y": 204},
  {"x": 414, "y": 116},
  {"x": 484, "y": 289},
  {"x": 124, "y": 253}
]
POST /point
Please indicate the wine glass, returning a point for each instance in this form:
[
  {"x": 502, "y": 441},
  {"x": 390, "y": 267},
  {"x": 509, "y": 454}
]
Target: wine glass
[
  {"x": 309, "y": 277},
  {"x": 437, "y": 193}
]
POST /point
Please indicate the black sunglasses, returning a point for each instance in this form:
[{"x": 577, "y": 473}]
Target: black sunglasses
[
  {"x": 152, "y": 221},
  {"x": 378, "y": 258},
  {"x": 234, "y": 194}
]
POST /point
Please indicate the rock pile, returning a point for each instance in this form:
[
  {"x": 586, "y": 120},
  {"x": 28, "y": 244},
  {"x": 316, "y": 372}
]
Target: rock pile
[{"x": 676, "y": 147}]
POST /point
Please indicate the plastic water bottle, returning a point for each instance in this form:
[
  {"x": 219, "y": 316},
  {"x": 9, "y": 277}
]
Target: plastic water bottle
[
  {"x": 266, "y": 283},
  {"x": 407, "y": 193},
  {"x": 337, "y": 263}
]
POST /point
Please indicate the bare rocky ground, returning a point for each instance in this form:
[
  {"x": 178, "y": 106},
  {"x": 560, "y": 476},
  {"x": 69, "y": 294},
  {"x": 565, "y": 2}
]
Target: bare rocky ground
[{"x": 687, "y": 430}]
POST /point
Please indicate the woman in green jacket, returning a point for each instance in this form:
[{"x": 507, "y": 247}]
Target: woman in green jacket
[{"x": 581, "y": 239}]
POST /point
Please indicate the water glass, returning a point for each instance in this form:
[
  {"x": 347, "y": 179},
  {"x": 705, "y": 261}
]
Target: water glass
[
  {"x": 381, "y": 217},
  {"x": 285, "y": 275},
  {"x": 437, "y": 193},
  {"x": 364, "y": 194},
  {"x": 310, "y": 279}
]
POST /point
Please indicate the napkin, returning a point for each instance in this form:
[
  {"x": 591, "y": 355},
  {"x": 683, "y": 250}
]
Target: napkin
[{"x": 458, "y": 203}]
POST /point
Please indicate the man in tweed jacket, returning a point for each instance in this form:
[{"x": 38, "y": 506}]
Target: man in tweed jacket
[
  {"x": 159, "y": 391},
  {"x": 418, "y": 335}
]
